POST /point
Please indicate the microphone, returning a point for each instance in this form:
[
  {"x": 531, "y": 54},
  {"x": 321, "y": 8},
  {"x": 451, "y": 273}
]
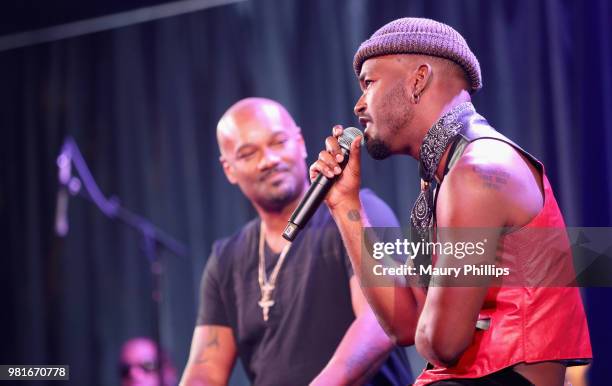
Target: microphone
[
  {"x": 318, "y": 189},
  {"x": 64, "y": 166}
]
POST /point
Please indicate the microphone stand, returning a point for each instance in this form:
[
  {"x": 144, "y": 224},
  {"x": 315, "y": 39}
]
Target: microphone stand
[{"x": 153, "y": 238}]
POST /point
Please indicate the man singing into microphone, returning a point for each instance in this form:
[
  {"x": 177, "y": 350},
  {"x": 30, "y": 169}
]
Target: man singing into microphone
[
  {"x": 293, "y": 313},
  {"x": 417, "y": 76}
]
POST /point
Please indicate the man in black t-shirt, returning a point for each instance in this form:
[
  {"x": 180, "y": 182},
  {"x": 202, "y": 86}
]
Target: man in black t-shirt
[{"x": 293, "y": 313}]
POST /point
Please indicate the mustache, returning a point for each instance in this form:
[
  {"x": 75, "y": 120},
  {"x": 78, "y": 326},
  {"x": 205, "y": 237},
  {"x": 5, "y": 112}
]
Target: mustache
[{"x": 267, "y": 173}]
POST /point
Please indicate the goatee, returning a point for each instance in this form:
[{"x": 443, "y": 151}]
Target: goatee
[
  {"x": 377, "y": 149},
  {"x": 275, "y": 200}
]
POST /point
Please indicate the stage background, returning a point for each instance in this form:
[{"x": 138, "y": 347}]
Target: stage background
[{"x": 143, "y": 101}]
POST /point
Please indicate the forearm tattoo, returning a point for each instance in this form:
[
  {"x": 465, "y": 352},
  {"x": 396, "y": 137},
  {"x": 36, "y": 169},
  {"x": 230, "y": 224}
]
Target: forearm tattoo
[{"x": 353, "y": 215}]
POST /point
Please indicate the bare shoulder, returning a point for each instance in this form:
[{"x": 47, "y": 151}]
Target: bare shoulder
[{"x": 492, "y": 184}]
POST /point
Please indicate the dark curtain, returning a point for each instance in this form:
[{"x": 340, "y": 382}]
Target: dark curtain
[{"x": 143, "y": 101}]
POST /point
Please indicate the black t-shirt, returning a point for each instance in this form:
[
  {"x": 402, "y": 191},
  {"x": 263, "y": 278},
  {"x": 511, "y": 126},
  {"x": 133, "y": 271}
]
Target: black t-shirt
[{"x": 312, "y": 309}]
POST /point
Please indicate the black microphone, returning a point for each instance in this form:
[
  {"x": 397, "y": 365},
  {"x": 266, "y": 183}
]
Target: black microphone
[
  {"x": 318, "y": 189},
  {"x": 64, "y": 164}
]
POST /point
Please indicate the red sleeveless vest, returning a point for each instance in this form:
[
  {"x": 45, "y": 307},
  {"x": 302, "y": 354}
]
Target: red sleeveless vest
[{"x": 536, "y": 317}]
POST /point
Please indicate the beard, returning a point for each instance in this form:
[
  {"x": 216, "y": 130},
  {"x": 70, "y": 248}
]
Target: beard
[
  {"x": 396, "y": 114},
  {"x": 277, "y": 201},
  {"x": 276, "y": 197},
  {"x": 378, "y": 149}
]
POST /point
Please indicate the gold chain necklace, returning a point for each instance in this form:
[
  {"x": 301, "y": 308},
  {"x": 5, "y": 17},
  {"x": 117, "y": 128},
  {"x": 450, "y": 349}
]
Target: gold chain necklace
[{"x": 266, "y": 287}]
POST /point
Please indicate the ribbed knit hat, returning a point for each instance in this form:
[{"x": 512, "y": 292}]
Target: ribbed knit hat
[{"x": 412, "y": 35}]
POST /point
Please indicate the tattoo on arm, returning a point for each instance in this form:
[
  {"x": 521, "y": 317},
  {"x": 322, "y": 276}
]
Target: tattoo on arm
[
  {"x": 491, "y": 178},
  {"x": 212, "y": 341},
  {"x": 353, "y": 215}
]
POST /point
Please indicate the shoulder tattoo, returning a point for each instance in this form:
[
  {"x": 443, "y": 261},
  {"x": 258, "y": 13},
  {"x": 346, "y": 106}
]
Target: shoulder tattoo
[{"x": 492, "y": 178}]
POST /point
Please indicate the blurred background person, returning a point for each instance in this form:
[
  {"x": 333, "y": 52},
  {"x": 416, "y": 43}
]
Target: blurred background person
[{"x": 138, "y": 364}]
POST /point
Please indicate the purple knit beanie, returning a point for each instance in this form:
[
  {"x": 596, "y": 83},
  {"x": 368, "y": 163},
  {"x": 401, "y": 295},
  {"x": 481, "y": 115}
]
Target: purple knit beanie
[{"x": 411, "y": 35}]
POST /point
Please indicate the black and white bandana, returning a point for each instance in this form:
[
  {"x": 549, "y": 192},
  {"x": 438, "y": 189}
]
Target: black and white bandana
[{"x": 434, "y": 144}]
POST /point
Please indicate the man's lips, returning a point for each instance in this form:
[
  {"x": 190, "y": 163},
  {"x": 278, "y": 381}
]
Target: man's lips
[
  {"x": 364, "y": 121},
  {"x": 271, "y": 174}
]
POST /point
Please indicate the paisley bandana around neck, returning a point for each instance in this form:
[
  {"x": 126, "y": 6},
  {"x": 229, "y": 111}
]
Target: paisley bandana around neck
[{"x": 434, "y": 144}]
